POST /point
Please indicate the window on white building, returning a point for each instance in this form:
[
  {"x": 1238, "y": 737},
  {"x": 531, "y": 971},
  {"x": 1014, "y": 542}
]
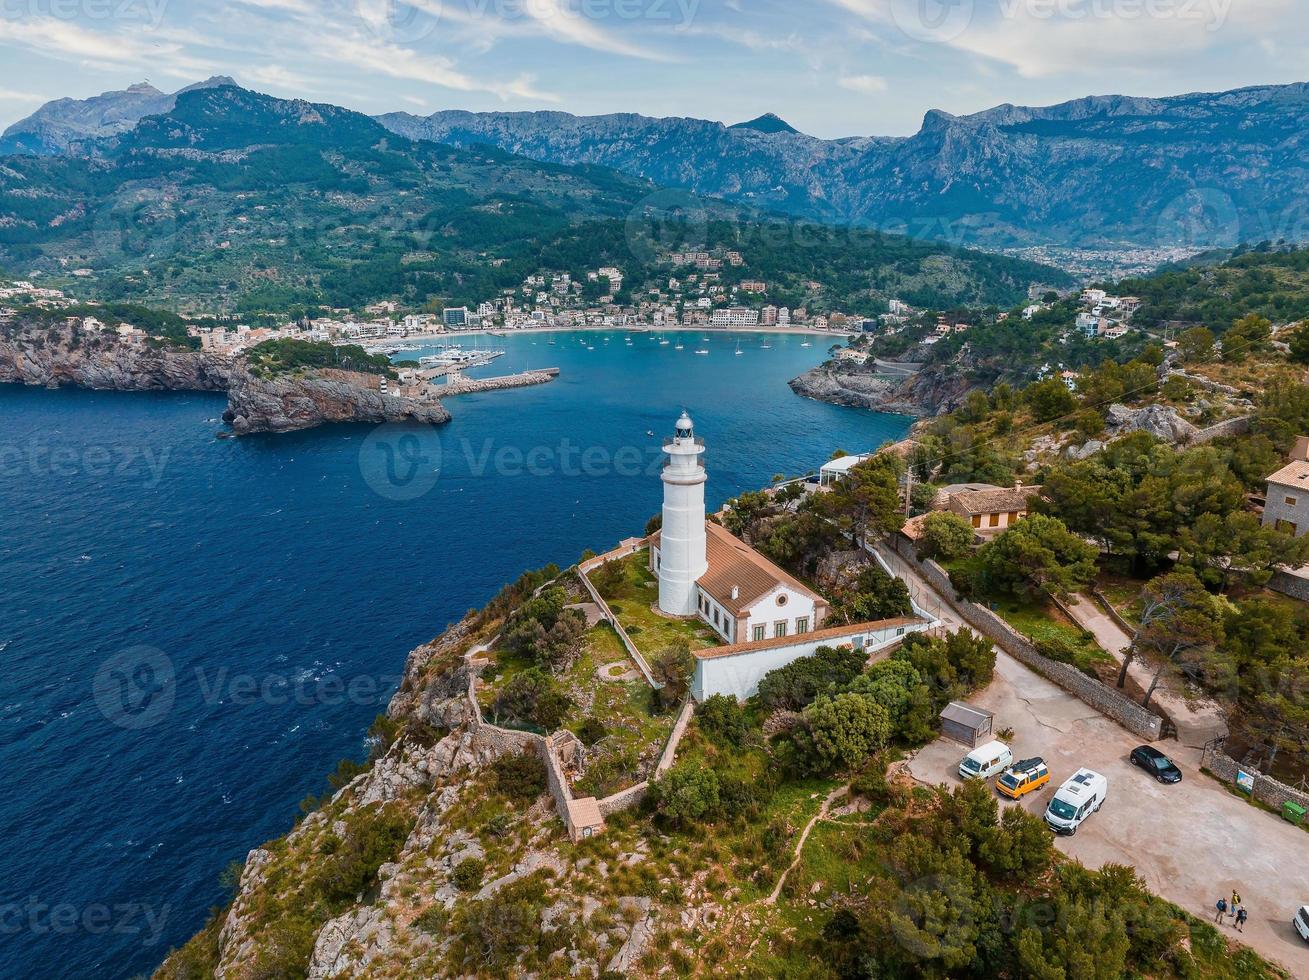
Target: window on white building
[
  {"x": 779, "y": 628},
  {"x": 802, "y": 624},
  {"x": 760, "y": 632}
]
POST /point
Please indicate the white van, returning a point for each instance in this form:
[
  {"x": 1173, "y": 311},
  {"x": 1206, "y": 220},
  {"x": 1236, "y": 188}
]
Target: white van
[
  {"x": 985, "y": 761},
  {"x": 1301, "y": 921},
  {"x": 1075, "y": 800}
]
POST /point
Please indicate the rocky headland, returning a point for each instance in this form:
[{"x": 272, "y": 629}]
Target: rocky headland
[
  {"x": 927, "y": 392},
  {"x": 66, "y": 356}
]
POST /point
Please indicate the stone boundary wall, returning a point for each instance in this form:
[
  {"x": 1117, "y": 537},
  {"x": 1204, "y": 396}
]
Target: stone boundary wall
[
  {"x": 1266, "y": 789},
  {"x": 630, "y": 797},
  {"x": 1103, "y": 602},
  {"x": 583, "y": 572},
  {"x": 1107, "y": 701},
  {"x": 510, "y": 740},
  {"x": 1220, "y": 430},
  {"x": 1290, "y": 585}
]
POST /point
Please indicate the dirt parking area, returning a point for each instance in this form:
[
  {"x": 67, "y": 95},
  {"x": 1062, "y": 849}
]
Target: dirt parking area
[{"x": 1191, "y": 842}]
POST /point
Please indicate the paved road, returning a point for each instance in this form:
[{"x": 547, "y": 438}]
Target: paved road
[{"x": 1197, "y": 720}]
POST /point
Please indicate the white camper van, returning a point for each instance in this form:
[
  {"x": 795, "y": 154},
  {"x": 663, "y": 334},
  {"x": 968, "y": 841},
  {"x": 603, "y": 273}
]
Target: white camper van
[
  {"x": 1075, "y": 800},
  {"x": 985, "y": 761}
]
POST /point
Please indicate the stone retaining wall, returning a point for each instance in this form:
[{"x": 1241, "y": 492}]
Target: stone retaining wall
[
  {"x": 507, "y": 740},
  {"x": 1107, "y": 701},
  {"x": 633, "y": 795},
  {"x": 1221, "y": 430},
  {"x": 1266, "y": 789},
  {"x": 1290, "y": 585},
  {"x": 583, "y": 572}
]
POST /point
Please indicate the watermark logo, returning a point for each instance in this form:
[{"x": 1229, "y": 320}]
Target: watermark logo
[
  {"x": 140, "y": 225},
  {"x": 1201, "y": 218},
  {"x": 136, "y": 688},
  {"x": 397, "y": 22},
  {"x": 401, "y": 462},
  {"x": 664, "y": 221},
  {"x": 96, "y": 919},
  {"x": 932, "y": 21},
  {"x": 148, "y": 13}
]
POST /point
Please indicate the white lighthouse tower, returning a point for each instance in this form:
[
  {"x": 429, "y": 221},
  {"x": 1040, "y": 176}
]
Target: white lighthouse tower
[{"x": 682, "y": 547}]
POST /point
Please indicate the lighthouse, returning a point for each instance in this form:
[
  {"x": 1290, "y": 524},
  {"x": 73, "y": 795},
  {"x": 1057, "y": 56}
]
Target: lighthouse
[{"x": 682, "y": 547}]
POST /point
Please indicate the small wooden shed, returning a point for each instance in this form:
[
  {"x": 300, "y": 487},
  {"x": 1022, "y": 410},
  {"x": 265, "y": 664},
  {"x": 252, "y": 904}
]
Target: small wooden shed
[{"x": 966, "y": 724}]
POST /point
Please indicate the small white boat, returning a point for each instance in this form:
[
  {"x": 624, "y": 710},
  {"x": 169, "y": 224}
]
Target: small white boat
[
  {"x": 806, "y": 344},
  {"x": 739, "y": 352},
  {"x": 679, "y": 347},
  {"x": 702, "y": 351},
  {"x": 767, "y": 347}
]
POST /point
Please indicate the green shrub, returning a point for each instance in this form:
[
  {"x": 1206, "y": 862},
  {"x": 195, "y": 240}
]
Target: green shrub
[
  {"x": 467, "y": 875},
  {"x": 722, "y": 719},
  {"x": 519, "y": 776}
]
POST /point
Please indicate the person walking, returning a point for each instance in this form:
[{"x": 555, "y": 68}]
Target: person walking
[
  {"x": 1241, "y": 916},
  {"x": 1222, "y": 911},
  {"x": 1235, "y": 903}
]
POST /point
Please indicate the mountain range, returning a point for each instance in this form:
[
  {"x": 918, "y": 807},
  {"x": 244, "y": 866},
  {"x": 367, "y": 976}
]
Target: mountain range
[
  {"x": 233, "y": 200},
  {"x": 1200, "y": 170}
]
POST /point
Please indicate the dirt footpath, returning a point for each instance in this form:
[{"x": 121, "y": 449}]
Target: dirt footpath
[{"x": 1191, "y": 842}]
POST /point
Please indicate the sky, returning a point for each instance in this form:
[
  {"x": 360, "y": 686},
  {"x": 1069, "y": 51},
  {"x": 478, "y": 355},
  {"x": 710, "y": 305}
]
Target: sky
[{"x": 829, "y": 67}]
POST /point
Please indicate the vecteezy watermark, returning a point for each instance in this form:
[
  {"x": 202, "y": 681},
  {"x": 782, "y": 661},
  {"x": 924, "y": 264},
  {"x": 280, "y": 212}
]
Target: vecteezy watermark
[
  {"x": 1201, "y": 218},
  {"x": 403, "y": 463},
  {"x": 147, "y": 12},
  {"x": 97, "y": 919},
  {"x": 406, "y": 21},
  {"x": 1212, "y": 13},
  {"x": 663, "y": 221},
  {"x": 932, "y": 21},
  {"x": 138, "y": 687},
  {"x": 36, "y": 458}
]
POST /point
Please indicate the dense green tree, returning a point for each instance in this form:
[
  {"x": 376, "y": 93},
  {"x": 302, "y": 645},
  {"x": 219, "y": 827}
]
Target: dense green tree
[
  {"x": 945, "y": 536},
  {"x": 531, "y": 697},
  {"x": 841, "y": 732},
  {"x": 673, "y": 667},
  {"x": 686, "y": 794},
  {"x": 722, "y": 719},
  {"x": 1038, "y": 556},
  {"x": 1196, "y": 344},
  {"x": 798, "y": 683},
  {"x": 1249, "y": 335},
  {"x": 1238, "y": 549},
  {"x": 866, "y": 502},
  {"x": 1298, "y": 342},
  {"x": 1050, "y": 399}
]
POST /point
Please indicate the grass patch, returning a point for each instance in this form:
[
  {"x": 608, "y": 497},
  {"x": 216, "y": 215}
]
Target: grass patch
[
  {"x": 631, "y": 598},
  {"x": 1053, "y": 635}
]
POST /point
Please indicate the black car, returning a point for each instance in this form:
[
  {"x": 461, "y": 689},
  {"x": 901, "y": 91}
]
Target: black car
[{"x": 1156, "y": 764}]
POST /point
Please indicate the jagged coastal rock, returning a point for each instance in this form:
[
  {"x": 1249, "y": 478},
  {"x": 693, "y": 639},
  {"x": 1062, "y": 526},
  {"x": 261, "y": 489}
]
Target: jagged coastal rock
[
  {"x": 104, "y": 361},
  {"x": 929, "y": 392},
  {"x": 107, "y": 363},
  {"x": 284, "y": 404}
]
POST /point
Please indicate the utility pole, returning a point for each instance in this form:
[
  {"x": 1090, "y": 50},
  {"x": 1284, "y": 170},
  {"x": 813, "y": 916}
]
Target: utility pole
[{"x": 908, "y": 487}]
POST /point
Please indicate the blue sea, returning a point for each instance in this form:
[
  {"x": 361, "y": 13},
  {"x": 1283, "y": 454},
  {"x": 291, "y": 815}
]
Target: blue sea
[{"x": 194, "y": 630}]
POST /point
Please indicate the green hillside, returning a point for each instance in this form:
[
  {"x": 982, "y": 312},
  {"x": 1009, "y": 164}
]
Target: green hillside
[{"x": 239, "y": 201}]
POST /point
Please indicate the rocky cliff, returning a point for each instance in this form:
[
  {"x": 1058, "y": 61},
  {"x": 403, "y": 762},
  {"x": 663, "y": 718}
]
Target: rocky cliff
[
  {"x": 928, "y": 392},
  {"x": 68, "y": 356},
  {"x": 283, "y": 404},
  {"x": 105, "y": 362}
]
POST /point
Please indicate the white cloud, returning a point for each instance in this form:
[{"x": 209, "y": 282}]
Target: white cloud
[
  {"x": 867, "y": 84},
  {"x": 68, "y": 41},
  {"x": 400, "y": 62}
]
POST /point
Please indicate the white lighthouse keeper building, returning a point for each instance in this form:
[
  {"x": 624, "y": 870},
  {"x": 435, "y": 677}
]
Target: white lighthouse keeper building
[{"x": 682, "y": 548}]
